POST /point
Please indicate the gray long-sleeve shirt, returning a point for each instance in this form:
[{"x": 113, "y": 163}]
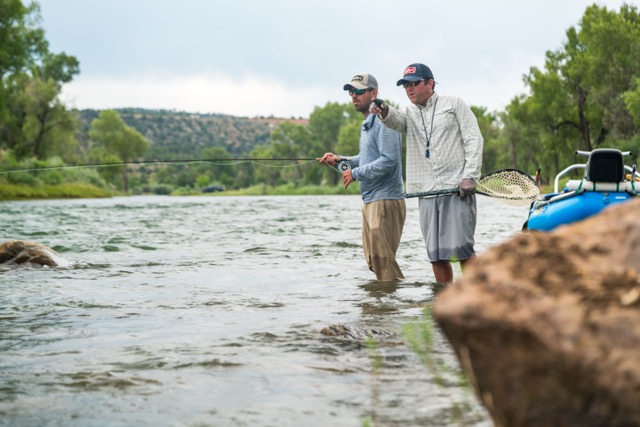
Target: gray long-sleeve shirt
[
  {"x": 455, "y": 143},
  {"x": 378, "y": 166}
]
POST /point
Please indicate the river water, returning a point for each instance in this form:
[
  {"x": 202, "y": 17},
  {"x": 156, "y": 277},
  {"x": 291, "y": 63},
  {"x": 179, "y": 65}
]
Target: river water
[{"x": 207, "y": 311}]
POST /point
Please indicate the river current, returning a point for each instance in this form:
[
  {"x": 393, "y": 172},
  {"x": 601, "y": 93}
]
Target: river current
[{"x": 207, "y": 311}]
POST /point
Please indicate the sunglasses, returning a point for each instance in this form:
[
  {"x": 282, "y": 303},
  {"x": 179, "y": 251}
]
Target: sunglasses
[
  {"x": 411, "y": 84},
  {"x": 358, "y": 91}
]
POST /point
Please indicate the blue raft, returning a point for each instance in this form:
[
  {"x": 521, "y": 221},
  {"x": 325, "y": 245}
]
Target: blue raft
[{"x": 605, "y": 183}]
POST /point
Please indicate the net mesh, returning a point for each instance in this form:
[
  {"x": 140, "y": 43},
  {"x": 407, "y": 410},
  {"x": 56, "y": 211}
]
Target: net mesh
[{"x": 510, "y": 186}]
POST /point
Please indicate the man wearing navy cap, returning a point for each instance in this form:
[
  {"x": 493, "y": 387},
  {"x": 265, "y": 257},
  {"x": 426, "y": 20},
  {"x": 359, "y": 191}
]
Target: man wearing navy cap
[
  {"x": 444, "y": 150},
  {"x": 378, "y": 168}
]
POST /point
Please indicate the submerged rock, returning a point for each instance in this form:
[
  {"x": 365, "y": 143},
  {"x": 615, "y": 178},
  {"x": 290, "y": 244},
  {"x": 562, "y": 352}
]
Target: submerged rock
[
  {"x": 352, "y": 332},
  {"x": 547, "y": 325},
  {"x": 18, "y": 252}
]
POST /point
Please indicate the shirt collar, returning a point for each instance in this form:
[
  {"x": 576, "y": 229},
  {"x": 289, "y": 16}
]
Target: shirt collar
[
  {"x": 368, "y": 122},
  {"x": 430, "y": 102},
  {"x": 433, "y": 99}
]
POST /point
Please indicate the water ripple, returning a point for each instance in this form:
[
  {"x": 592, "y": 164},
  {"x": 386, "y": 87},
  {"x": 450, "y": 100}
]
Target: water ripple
[{"x": 184, "y": 310}]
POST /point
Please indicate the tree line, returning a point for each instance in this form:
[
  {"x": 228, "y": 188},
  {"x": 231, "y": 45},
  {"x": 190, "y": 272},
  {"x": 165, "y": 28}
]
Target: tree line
[{"x": 586, "y": 96}]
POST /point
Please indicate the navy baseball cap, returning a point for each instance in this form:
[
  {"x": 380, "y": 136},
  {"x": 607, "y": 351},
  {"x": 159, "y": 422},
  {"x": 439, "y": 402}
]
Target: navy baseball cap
[{"x": 415, "y": 72}]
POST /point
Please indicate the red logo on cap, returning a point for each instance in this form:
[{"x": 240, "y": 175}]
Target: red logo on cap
[{"x": 409, "y": 70}]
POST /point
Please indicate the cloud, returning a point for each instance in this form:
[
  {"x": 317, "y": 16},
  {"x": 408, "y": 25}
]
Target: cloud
[
  {"x": 250, "y": 97},
  {"x": 286, "y": 57}
]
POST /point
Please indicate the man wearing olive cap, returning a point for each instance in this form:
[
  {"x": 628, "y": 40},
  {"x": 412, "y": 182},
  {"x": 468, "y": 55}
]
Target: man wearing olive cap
[
  {"x": 378, "y": 168},
  {"x": 444, "y": 150}
]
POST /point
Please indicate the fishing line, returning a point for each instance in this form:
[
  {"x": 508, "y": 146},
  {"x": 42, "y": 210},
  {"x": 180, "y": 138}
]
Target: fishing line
[
  {"x": 339, "y": 167},
  {"x": 255, "y": 160}
]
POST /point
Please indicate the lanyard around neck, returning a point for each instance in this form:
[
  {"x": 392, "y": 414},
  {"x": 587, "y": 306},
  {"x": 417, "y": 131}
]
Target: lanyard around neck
[{"x": 427, "y": 153}]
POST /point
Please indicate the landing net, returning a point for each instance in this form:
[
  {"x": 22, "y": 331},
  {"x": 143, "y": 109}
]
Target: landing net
[{"x": 511, "y": 186}]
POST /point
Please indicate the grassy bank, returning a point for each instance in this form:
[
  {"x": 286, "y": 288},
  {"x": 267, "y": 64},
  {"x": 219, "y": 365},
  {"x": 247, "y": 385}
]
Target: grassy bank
[
  {"x": 83, "y": 190},
  {"x": 72, "y": 190},
  {"x": 287, "y": 190}
]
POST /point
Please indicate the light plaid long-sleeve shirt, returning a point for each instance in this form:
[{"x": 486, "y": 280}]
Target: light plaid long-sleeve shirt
[{"x": 455, "y": 148}]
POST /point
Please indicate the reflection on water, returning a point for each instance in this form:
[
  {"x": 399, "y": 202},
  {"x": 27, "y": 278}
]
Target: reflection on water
[{"x": 207, "y": 311}]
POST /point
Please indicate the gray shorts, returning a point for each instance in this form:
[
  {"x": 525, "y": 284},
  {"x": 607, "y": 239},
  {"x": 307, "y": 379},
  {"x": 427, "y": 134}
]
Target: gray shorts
[{"x": 448, "y": 225}]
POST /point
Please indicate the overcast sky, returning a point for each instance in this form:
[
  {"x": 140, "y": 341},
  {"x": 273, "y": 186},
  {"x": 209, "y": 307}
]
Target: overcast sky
[{"x": 286, "y": 57}]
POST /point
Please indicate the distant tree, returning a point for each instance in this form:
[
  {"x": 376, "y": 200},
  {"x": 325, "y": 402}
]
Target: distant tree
[
  {"x": 349, "y": 139},
  {"x": 39, "y": 124},
  {"x": 292, "y": 141},
  {"x": 521, "y": 143},
  {"x": 223, "y": 171},
  {"x": 632, "y": 101},
  {"x": 118, "y": 140},
  {"x": 33, "y": 121},
  {"x": 324, "y": 125},
  {"x": 111, "y": 174},
  {"x": 581, "y": 99},
  {"x": 21, "y": 41},
  {"x": 266, "y": 174},
  {"x": 490, "y": 134}
]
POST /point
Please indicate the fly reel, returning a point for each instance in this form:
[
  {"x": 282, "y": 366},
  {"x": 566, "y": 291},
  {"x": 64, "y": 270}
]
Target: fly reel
[{"x": 343, "y": 166}]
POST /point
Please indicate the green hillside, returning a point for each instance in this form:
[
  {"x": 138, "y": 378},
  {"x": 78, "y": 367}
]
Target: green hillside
[{"x": 179, "y": 135}]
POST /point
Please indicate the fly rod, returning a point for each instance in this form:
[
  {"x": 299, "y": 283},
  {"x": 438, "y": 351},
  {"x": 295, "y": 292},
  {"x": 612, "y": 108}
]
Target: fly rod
[{"x": 158, "y": 162}]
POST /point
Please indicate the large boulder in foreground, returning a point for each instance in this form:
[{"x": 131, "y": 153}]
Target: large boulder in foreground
[
  {"x": 547, "y": 325},
  {"x": 18, "y": 252}
]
